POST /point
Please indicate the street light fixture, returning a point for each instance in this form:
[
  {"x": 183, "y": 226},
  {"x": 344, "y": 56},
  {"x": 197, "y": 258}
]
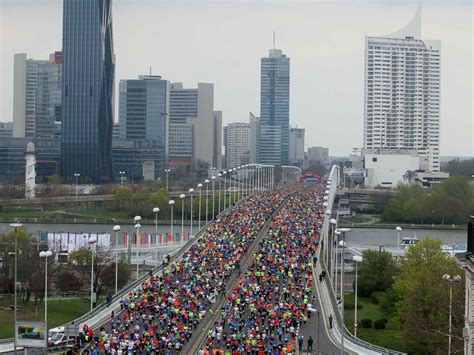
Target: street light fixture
[
  {"x": 171, "y": 203},
  {"x": 207, "y": 198},
  {"x": 225, "y": 188},
  {"x": 182, "y": 196},
  {"x": 199, "y": 186},
  {"x": 77, "y": 180},
  {"x": 116, "y": 230},
  {"x": 450, "y": 279},
  {"x": 45, "y": 255},
  {"x": 137, "y": 220},
  {"x": 213, "y": 178},
  {"x": 191, "y": 191},
  {"x": 92, "y": 240},
  {"x": 357, "y": 259},
  {"x": 333, "y": 222},
  {"x": 122, "y": 173},
  {"x": 15, "y": 225},
  {"x": 167, "y": 171},
  {"x": 219, "y": 189},
  {"x": 342, "y": 243}
]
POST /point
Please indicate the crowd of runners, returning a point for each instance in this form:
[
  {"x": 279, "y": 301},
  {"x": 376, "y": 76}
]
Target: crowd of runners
[
  {"x": 274, "y": 297},
  {"x": 161, "y": 315}
]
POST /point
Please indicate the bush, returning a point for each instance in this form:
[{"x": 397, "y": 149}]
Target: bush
[
  {"x": 377, "y": 297},
  {"x": 351, "y": 306},
  {"x": 366, "y": 323},
  {"x": 380, "y": 323}
]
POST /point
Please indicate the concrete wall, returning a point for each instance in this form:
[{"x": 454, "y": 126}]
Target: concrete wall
[{"x": 387, "y": 170}]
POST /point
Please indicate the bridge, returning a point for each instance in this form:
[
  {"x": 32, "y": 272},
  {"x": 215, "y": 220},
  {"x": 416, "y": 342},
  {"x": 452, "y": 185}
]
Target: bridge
[{"x": 207, "y": 276}]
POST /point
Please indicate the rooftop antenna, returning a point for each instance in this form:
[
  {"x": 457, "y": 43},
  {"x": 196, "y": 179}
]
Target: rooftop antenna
[{"x": 273, "y": 39}]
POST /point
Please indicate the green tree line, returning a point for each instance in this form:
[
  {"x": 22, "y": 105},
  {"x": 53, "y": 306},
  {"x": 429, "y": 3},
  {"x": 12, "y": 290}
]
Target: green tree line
[{"x": 452, "y": 201}]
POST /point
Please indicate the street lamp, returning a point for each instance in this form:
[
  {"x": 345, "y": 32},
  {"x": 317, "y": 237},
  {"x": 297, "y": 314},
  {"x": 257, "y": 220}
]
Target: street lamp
[
  {"x": 182, "y": 196},
  {"x": 122, "y": 173},
  {"x": 213, "y": 178},
  {"x": 45, "y": 255},
  {"x": 235, "y": 184},
  {"x": 15, "y": 225},
  {"x": 398, "y": 229},
  {"x": 77, "y": 180},
  {"x": 137, "y": 220},
  {"x": 167, "y": 171},
  {"x": 336, "y": 254},
  {"x": 357, "y": 259},
  {"x": 200, "y": 192},
  {"x": 219, "y": 189},
  {"x": 333, "y": 222},
  {"x": 116, "y": 230},
  {"x": 156, "y": 210},
  {"x": 207, "y": 198},
  {"x": 342, "y": 243},
  {"x": 450, "y": 279},
  {"x": 191, "y": 191},
  {"x": 171, "y": 203},
  {"x": 92, "y": 240},
  {"x": 225, "y": 189}
]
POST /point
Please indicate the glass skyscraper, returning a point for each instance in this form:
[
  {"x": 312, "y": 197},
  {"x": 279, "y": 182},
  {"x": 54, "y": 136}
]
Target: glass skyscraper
[
  {"x": 274, "y": 109},
  {"x": 88, "y": 84}
]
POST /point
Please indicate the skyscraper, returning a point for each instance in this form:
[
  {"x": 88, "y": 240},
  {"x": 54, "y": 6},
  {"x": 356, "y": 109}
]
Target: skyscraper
[
  {"x": 274, "y": 109},
  {"x": 296, "y": 151},
  {"x": 402, "y": 93},
  {"x": 237, "y": 143},
  {"x": 88, "y": 86}
]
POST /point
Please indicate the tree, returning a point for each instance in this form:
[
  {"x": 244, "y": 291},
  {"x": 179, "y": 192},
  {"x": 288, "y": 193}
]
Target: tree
[
  {"x": 104, "y": 269},
  {"x": 423, "y": 298},
  {"x": 123, "y": 197},
  {"x": 376, "y": 272}
]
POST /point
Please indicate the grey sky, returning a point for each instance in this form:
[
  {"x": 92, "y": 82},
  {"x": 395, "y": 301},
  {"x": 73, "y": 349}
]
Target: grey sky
[{"x": 222, "y": 42}]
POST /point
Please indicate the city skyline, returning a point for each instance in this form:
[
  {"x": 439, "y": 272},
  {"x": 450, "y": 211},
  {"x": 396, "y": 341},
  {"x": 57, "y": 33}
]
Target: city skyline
[{"x": 318, "y": 81}]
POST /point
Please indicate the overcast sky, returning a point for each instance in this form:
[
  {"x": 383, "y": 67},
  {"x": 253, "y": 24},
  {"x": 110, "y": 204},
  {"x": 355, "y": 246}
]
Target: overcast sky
[{"x": 222, "y": 41}]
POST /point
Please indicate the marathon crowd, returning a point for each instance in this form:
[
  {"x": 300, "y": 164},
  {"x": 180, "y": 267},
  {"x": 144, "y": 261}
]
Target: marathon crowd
[
  {"x": 271, "y": 301},
  {"x": 161, "y": 315}
]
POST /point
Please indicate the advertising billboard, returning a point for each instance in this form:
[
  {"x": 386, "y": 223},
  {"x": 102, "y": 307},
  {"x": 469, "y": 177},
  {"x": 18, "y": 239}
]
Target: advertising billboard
[{"x": 31, "y": 334}]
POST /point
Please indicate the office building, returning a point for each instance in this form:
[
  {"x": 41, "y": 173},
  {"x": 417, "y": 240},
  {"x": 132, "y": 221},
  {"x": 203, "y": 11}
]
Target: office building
[
  {"x": 254, "y": 130},
  {"x": 195, "y": 107},
  {"x": 318, "y": 155},
  {"x": 37, "y": 96},
  {"x": 402, "y": 93},
  {"x": 88, "y": 86},
  {"x": 144, "y": 111},
  {"x": 12, "y": 157},
  {"x": 236, "y": 143},
  {"x": 296, "y": 149},
  {"x": 116, "y": 131},
  {"x": 181, "y": 149},
  {"x": 6, "y": 129},
  {"x": 274, "y": 109}
]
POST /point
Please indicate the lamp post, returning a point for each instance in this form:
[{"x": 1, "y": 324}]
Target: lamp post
[
  {"x": 191, "y": 191},
  {"x": 235, "y": 185},
  {"x": 122, "y": 173},
  {"x": 225, "y": 189},
  {"x": 167, "y": 171},
  {"x": 182, "y": 196},
  {"x": 171, "y": 203},
  {"x": 200, "y": 193},
  {"x": 357, "y": 259},
  {"x": 137, "y": 220},
  {"x": 213, "y": 178},
  {"x": 219, "y": 189},
  {"x": 116, "y": 230},
  {"x": 336, "y": 254},
  {"x": 15, "y": 225},
  {"x": 45, "y": 255},
  {"x": 156, "y": 210},
  {"x": 92, "y": 240},
  {"x": 77, "y": 180},
  {"x": 450, "y": 280},
  {"x": 333, "y": 222},
  {"x": 342, "y": 244},
  {"x": 207, "y": 198},
  {"x": 398, "y": 229}
]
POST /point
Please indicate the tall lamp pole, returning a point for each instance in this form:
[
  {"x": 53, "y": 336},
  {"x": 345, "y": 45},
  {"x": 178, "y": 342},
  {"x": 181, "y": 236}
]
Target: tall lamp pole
[
  {"x": 200, "y": 193},
  {"x": 213, "y": 178},
  {"x": 342, "y": 244},
  {"x": 450, "y": 280},
  {"x": 182, "y": 196},
  {"x": 77, "y": 181},
  {"x": 219, "y": 188},
  {"x": 122, "y": 173},
  {"x": 137, "y": 220},
  {"x": 235, "y": 184},
  {"x": 191, "y": 191},
  {"x": 171, "y": 203},
  {"x": 116, "y": 230},
  {"x": 45, "y": 255},
  {"x": 225, "y": 188},
  {"x": 92, "y": 240},
  {"x": 398, "y": 229},
  {"x": 207, "y": 198},
  {"x": 167, "y": 171},
  {"x": 333, "y": 223},
  {"x": 15, "y": 225},
  {"x": 357, "y": 259},
  {"x": 156, "y": 210}
]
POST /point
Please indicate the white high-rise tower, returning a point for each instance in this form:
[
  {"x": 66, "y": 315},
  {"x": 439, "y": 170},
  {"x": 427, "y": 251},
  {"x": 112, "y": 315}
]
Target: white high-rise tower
[{"x": 402, "y": 93}]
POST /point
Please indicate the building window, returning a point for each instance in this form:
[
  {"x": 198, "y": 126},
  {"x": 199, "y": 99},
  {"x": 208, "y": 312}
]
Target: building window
[{"x": 374, "y": 160}]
